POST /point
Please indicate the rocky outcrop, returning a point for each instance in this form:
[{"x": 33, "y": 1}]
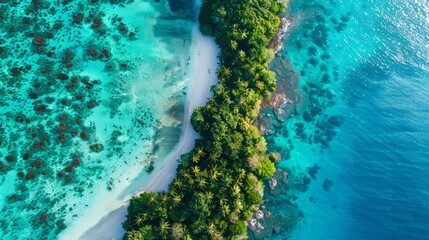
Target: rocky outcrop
[
  {"x": 263, "y": 122},
  {"x": 276, "y": 42},
  {"x": 287, "y": 99},
  {"x": 265, "y": 222}
]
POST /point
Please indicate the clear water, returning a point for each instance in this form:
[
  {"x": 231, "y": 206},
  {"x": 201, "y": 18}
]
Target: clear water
[
  {"x": 86, "y": 105},
  {"x": 358, "y": 153}
]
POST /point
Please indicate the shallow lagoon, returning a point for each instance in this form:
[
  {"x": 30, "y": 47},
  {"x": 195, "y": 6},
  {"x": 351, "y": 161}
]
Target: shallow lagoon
[{"x": 92, "y": 93}]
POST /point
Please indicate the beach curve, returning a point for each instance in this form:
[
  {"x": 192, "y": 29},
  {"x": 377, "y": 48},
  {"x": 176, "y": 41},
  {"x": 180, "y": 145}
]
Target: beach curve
[{"x": 204, "y": 63}]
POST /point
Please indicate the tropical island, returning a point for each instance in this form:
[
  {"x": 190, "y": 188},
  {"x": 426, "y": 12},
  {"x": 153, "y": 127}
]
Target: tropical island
[
  {"x": 144, "y": 119},
  {"x": 218, "y": 185}
]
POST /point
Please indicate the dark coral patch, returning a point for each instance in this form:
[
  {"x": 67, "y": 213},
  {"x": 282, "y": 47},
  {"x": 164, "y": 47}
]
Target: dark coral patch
[
  {"x": 40, "y": 108},
  {"x": 43, "y": 218},
  {"x": 62, "y": 76},
  {"x": 313, "y": 171},
  {"x": 26, "y": 156},
  {"x": 97, "y": 147},
  {"x": 97, "y": 23},
  {"x": 327, "y": 185},
  {"x": 84, "y": 135},
  {"x": 76, "y": 162},
  {"x": 74, "y": 133},
  {"x": 60, "y": 174},
  {"x": 36, "y": 164},
  {"x": 30, "y": 175},
  {"x": 91, "y": 104},
  {"x": 60, "y": 224},
  {"x": 69, "y": 179},
  {"x": 10, "y": 158},
  {"x": 69, "y": 169},
  {"x": 39, "y": 40},
  {"x": 77, "y": 19}
]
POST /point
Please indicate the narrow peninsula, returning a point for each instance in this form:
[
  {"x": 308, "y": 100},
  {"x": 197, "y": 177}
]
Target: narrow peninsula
[{"x": 218, "y": 185}]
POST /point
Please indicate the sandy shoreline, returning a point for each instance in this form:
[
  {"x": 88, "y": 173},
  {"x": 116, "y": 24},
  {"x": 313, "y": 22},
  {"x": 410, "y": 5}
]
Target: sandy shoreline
[{"x": 204, "y": 63}]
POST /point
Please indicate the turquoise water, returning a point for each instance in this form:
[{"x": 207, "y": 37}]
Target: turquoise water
[
  {"x": 91, "y": 94},
  {"x": 357, "y": 153}
]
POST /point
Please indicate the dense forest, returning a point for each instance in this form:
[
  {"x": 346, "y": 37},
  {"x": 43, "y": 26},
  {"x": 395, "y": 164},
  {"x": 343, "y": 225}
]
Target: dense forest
[{"x": 219, "y": 185}]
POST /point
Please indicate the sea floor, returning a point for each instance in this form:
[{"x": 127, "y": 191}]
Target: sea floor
[
  {"x": 356, "y": 152},
  {"x": 91, "y": 94}
]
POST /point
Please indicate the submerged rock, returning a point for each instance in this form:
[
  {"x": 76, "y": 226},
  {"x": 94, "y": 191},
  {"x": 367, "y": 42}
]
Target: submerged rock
[
  {"x": 40, "y": 108},
  {"x": 39, "y": 41},
  {"x": 327, "y": 185},
  {"x": 62, "y": 76},
  {"x": 97, "y": 147},
  {"x": 276, "y": 42},
  {"x": 15, "y": 71},
  {"x": 42, "y": 218},
  {"x": 77, "y": 19},
  {"x": 10, "y": 158},
  {"x": 287, "y": 99},
  {"x": 272, "y": 183},
  {"x": 263, "y": 123},
  {"x": 259, "y": 214},
  {"x": 30, "y": 175}
]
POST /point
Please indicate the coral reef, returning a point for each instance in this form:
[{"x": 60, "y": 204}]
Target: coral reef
[{"x": 70, "y": 76}]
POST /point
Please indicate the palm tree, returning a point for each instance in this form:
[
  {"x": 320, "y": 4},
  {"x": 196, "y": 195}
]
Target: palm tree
[
  {"x": 177, "y": 183},
  {"x": 252, "y": 69},
  {"x": 260, "y": 85},
  {"x": 227, "y": 179},
  {"x": 177, "y": 231},
  {"x": 186, "y": 174},
  {"x": 214, "y": 156},
  {"x": 237, "y": 205},
  {"x": 176, "y": 199},
  {"x": 223, "y": 163},
  {"x": 224, "y": 208},
  {"x": 214, "y": 172},
  {"x": 209, "y": 197},
  {"x": 242, "y": 54},
  {"x": 227, "y": 72},
  {"x": 186, "y": 234},
  {"x": 152, "y": 198},
  {"x": 241, "y": 174},
  {"x": 200, "y": 151},
  {"x": 243, "y": 34},
  {"x": 234, "y": 45},
  {"x": 164, "y": 198},
  {"x": 139, "y": 220},
  {"x": 210, "y": 229},
  {"x": 235, "y": 190},
  {"x": 195, "y": 158},
  {"x": 196, "y": 170},
  {"x": 191, "y": 182},
  {"x": 202, "y": 183},
  {"x": 164, "y": 226},
  {"x": 221, "y": 11}
]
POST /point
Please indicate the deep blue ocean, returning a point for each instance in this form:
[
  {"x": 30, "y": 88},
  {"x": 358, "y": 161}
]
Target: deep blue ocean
[{"x": 358, "y": 151}]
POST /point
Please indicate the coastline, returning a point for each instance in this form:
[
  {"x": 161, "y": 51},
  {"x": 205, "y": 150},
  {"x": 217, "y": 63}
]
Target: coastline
[
  {"x": 231, "y": 148},
  {"x": 204, "y": 63}
]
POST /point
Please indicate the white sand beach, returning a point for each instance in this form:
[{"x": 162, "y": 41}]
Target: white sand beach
[{"x": 203, "y": 65}]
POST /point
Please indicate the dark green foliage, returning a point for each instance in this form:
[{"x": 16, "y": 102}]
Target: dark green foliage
[
  {"x": 238, "y": 228},
  {"x": 219, "y": 183}
]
